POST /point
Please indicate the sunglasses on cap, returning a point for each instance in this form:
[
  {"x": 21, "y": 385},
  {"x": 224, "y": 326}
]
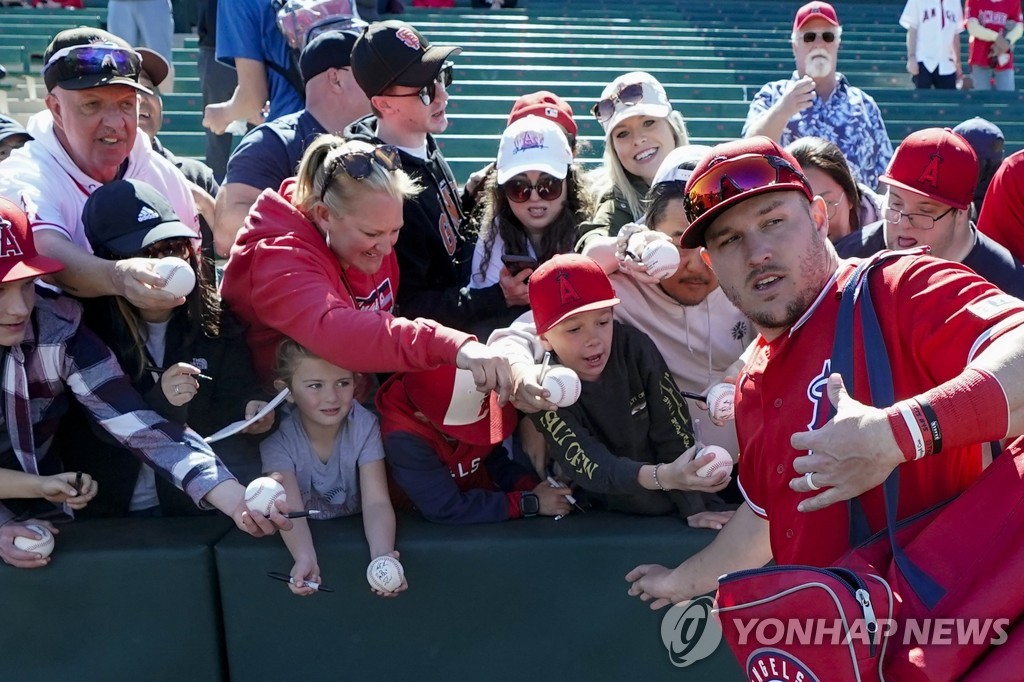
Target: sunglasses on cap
[
  {"x": 94, "y": 59},
  {"x": 359, "y": 165},
  {"x": 627, "y": 96},
  {"x": 733, "y": 177},
  {"x": 519, "y": 189},
  {"x": 428, "y": 93},
  {"x": 827, "y": 36}
]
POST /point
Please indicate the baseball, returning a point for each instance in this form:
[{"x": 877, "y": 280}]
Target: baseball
[
  {"x": 177, "y": 275},
  {"x": 261, "y": 494},
  {"x": 385, "y": 573},
  {"x": 721, "y": 462},
  {"x": 41, "y": 547},
  {"x": 661, "y": 259},
  {"x": 721, "y": 402},
  {"x": 563, "y": 385}
]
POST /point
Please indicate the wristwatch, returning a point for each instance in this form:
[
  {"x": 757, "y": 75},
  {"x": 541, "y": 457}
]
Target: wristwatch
[{"x": 529, "y": 504}]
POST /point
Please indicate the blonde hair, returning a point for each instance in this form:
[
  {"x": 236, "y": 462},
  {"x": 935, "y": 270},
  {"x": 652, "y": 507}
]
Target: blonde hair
[
  {"x": 341, "y": 187},
  {"x": 617, "y": 177}
]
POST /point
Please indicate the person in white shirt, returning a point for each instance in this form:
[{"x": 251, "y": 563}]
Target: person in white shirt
[{"x": 933, "y": 42}]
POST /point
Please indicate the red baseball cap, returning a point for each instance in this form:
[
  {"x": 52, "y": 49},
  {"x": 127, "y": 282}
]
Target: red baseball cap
[
  {"x": 565, "y": 285},
  {"x": 448, "y": 397},
  {"x": 547, "y": 105},
  {"x": 735, "y": 171},
  {"x": 935, "y": 163},
  {"x": 812, "y": 10},
  {"x": 18, "y": 256}
]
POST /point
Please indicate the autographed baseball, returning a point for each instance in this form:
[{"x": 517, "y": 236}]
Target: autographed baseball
[
  {"x": 178, "y": 276},
  {"x": 41, "y": 547},
  {"x": 385, "y": 573},
  {"x": 661, "y": 259},
  {"x": 262, "y": 493},
  {"x": 720, "y": 401},
  {"x": 563, "y": 385},
  {"x": 722, "y": 461}
]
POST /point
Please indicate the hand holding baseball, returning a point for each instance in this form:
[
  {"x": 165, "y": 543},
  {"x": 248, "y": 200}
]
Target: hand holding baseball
[
  {"x": 386, "y": 575},
  {"x": 19, "y": 558},
  {"x": 720, "y": 403},
  {"x": 527, "y": 394},
  {"x": 137, "y": 280},
  {"x": 179, "y": 384},
  {"x": 682, "y": 474}
]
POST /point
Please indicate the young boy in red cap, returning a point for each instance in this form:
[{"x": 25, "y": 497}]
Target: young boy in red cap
[{"x": 628, "y": 441}]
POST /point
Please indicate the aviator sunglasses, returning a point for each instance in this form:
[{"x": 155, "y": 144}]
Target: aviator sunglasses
[{"x": 629, "y": 95}]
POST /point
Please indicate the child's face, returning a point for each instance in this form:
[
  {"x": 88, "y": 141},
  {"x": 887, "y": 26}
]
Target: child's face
[
  {"x": 536, "y": 213},
  {"x": 322, "y": 392},
  {"x": 582, "y": 342},
  {"x": 17, "y": 298}
]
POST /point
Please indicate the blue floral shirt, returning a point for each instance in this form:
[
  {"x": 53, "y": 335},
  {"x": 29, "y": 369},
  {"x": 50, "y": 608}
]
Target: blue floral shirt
[{"x": 849, "y": 118}]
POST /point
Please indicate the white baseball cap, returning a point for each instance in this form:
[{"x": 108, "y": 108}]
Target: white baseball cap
[
  {"x": 678, "y": 166},
  {"x": 533, "y": 144},
  {"x": 650, "y": 99}
]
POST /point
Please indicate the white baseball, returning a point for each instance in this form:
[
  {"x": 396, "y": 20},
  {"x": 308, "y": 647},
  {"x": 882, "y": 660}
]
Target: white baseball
[
  {"x": 721, "y": 402},
  {"x": 41, "y": 547},
  {"x": 661, "y": 258},
  {"x": 178, "y": 276},
  {"x": 563, "y": 385},
  {"x": 262, "y": 493},
  {"x": 385, "y": 573},
  {"x": 722, "y": 461}
]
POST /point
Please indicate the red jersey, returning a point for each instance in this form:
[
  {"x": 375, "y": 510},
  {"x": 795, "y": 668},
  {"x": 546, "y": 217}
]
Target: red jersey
[
  {"x": 1002, "y": 214},
  {"x": 991, "y": 14},
  {"x": 935, "y": 316}
]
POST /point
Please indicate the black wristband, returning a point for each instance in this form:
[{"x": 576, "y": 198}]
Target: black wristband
[{"x": 933, "y": 425}]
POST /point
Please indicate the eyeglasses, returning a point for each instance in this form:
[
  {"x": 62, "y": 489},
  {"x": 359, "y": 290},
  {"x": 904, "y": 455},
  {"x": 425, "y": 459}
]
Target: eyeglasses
[
  {"x": 733, "y": 177},
  {"x": 919, "y": 221},
  {"x": 359, "y": 165},
  {"x": 518, "y": 190},
  {"x": 627, "y": 96},
  {"x": 428, "y": 93},
  {"x": 94, "y": 59},
  {"x": 833, "y": 206},
  {"x": 827, "y": 36},
  {"x": 181, "y": 247}
]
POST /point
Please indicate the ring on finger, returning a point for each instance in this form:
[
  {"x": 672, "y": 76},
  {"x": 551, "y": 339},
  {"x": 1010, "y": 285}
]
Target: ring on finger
[{"x": 810, "y": 481}]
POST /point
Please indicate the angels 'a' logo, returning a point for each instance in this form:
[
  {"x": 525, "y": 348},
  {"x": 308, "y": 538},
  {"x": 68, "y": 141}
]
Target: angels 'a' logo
[
  {"x": 408, "y": 38},
  {"x": 930, "y": 174},
  {"x": 817, "y": 393},
  {"x": 9, "y": 245}
]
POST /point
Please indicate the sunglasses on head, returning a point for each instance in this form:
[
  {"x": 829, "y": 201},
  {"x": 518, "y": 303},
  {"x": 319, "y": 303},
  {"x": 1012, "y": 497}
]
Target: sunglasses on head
[
  {"x": 519, "y": 189},
  {"x": 736, "y": 176},
  {"x": 628, "y": 95},
  {"x": 428, "y": 93},
  {"x": 827, "y": 36},
  {"x": 180, "y": 247},
  {"x": 359, "y": 165},
  {"x": 94, "y": 59}
]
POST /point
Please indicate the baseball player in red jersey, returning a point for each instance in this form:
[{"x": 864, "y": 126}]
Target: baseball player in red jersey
[{"x": 955, "y": 343}]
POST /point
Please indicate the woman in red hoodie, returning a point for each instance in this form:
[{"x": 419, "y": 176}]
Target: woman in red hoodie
[{"x": 315, "y": 262}]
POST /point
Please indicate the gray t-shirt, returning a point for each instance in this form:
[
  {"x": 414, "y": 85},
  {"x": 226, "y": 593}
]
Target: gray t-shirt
[{"x": 331, "y": 487}]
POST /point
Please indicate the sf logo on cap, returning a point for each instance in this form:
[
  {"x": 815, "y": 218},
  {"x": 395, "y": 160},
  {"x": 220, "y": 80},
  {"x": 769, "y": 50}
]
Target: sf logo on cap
[
  {"x": 408, "y": 38},
  {"x": 930, "y": 174},
  {"x": 9, "y": 245}
]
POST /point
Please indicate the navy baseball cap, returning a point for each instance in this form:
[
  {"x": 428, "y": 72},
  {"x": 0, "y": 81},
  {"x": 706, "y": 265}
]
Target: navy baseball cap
[
  {"x": 984, "y": 136},
  {"x": 11, "y": 128},
  {"x": 329, "y": 50},
  {"x": 125, "y": 216}
]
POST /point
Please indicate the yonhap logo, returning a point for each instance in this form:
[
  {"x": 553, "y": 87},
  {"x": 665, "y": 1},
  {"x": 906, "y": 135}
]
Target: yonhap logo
[{"x": 690, "y": 632}]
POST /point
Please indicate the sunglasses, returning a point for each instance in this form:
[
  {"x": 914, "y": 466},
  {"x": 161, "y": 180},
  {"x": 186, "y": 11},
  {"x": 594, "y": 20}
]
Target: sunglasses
[
  {"x": 518, "y": 190},
  {"x": 733, "y": 177},
  {"x": 359, "y": 165},
  {"x": 95, "y": 59},
  {"x": 627, "y": 96},
  {"x": 428, "y": 93},
  {"x": 827, "y": 36},
  {"x": 180, "y": 247}
]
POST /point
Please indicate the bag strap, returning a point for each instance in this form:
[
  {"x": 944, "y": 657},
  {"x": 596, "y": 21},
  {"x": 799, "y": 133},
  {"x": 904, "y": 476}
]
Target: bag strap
[{"x": 857, "y": 293}]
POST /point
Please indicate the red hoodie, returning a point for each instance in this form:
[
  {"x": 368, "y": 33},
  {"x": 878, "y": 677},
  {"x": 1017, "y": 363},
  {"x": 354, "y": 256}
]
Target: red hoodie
[{"x": 283, "y": 280}]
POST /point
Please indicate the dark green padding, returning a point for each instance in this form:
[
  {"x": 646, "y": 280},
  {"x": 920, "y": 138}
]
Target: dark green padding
[
  {"x": 124, "y": 599},
  {"x": 532, "y": 599}
]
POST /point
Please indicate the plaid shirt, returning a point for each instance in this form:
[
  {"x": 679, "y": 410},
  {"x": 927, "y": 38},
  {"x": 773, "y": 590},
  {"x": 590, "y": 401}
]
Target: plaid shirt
[
  {"x": 849, "y": 118},
  {"x": 58, "y": 354}
]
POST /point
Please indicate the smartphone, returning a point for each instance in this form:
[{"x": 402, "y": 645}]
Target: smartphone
[{"x": 517, "y": 264}]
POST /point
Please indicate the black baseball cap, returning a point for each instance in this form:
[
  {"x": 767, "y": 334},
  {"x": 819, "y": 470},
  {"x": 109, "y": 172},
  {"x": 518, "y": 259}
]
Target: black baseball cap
[
  {"x": 111, "y": 61},
  {"x": 394, "y": 53},
  {"x": 329, "y": 50},
  {"x": 125, "y": 216}
]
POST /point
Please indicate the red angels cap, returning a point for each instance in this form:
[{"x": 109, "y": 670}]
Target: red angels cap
[
  {"x": 735, "y": 171},
  {"x": 565, "y": 285},
  {"x": 547, "y": 105},
  {"x": 18, "y": 256},
  {"x": 935, "y": 163},
  {"x": 813, "y": 10},
  {"x": 448, "y": 397}
]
